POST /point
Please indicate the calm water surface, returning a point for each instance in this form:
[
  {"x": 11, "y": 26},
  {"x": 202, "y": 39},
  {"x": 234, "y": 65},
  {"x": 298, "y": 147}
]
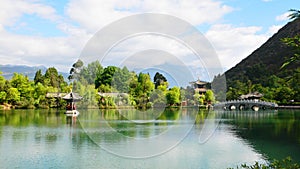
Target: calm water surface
[{"x": 185, "y": 138}]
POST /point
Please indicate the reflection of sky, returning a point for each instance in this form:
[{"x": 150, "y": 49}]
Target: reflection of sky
[{"x": 58, "y": 145}]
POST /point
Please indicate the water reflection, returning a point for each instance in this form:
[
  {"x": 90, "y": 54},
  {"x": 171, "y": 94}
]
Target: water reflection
[
  {"x": 275, "y": 134},
  {"x": 121, "y": 133},
  {"x": 50, "y": 139}
]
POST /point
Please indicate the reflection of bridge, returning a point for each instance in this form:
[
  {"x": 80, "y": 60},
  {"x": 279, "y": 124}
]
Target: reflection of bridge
[{"x": 246, "y": 105}]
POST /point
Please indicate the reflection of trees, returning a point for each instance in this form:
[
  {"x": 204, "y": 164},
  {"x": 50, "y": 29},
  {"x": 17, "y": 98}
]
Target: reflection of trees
[
  {"x": 129, "y": 123},
  {"x": 25, "y": 118},
  {"x": 276, "y": 135},
  {"x": 20, "y": 120}
]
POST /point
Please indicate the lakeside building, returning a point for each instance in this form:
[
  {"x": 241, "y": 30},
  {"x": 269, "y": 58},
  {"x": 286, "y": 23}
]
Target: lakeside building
[{"x": 199, "y": 86}]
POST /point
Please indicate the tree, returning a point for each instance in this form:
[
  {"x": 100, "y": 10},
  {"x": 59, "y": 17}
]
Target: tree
[
  {"x": 23, "y": 85},
  {"x": 294, "y": 44},
  {"x": 90, "y": 72},
  {"x": 75, "y": 70},
  {"x": 159, "y": 79},
  {"x": 173, "y": 96},
  {"x": 121, "y": 80},
  {"x": 209, "y": 96},
  {"x": 38, "y": 78},
  {"x": 143, "y": 88},
  {"x": 106, "y": 76},
  {"x": 13, "y": 95},
  {"x": 294, "y": 15},
  {"x": 2, "y": 96},
  {"x": 2, "y": 82},
  {"x": 52, "y": 78}
]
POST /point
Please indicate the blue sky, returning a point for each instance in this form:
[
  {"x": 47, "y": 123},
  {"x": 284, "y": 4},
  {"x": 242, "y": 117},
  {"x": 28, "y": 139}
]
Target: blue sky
[{"x": 53, "y": 33}]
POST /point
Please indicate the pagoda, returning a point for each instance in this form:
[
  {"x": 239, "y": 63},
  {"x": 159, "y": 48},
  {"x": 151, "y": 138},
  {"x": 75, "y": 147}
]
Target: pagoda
[{"x": 71, "y": 98}]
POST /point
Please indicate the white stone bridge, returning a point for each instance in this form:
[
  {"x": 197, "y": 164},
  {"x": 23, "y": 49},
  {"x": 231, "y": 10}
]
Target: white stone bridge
[{"x": 246, "y": 105}]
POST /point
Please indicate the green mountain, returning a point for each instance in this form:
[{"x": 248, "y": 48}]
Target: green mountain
[{"x": 267, "y": 59}]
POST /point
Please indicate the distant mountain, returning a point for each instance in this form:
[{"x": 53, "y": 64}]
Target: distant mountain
[
  {"x": 9, "y": 70},
  {"x": 267, "y": 59}
]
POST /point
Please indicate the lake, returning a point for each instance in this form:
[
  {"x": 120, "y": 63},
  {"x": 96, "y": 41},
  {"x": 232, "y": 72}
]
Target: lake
[{"x": 173, "y": 138}]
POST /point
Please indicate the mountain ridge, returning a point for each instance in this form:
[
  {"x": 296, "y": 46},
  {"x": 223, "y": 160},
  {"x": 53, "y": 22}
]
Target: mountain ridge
[{"x": 267, "y": 59}]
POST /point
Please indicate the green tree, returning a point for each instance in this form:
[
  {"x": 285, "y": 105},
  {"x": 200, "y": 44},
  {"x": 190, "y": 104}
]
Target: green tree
[
  {"x": 13, "y": 95},
  {"x": 23, "y": 85},
  {"x": 144, "y": 87},
  {"x": 159, "y": 79},
  {"x": 2, "y": 82},
  {"x": 106, "y": 76},
  {"x": 90, "y": 72},
  {"x": 173, "y": 96},
  {"x": 52, "y": 78},
  {"x": 295, "y": 14},
  {"x": 121, "y": 80},
  {"x": 209, "y": 96},
  {"x": 39, "y": 78},
  {"x": 294, "y": 44},
  {"x": 75, "y": 70},
  {"x": 2, "y": 97}
]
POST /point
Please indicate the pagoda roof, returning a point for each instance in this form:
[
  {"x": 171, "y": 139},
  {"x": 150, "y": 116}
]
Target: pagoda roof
[
  {"x": 200, "y": 82},
  {"x": 72, "y": 97}
]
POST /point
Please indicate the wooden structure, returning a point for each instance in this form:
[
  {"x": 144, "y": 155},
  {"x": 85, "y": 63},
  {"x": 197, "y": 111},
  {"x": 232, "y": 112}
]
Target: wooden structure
[
  {"x": 199, "y": 86},
  {"x": 71, "y": 98}
]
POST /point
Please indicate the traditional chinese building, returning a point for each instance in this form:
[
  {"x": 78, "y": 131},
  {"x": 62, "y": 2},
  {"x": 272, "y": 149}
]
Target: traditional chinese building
[{"x": 199, "y": 86}]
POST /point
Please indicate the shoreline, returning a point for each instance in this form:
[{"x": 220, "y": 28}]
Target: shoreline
[{"x": 288, "y": 106}]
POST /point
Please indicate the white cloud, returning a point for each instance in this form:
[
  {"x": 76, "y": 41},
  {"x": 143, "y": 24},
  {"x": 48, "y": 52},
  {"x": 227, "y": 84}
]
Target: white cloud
[
  {"x": 231, "y": 43},
  {"x": 93, "y": 15},
  {"x": 11, "y": 11},
  {"x": 274, "y": 29},
  {"x": 234, "y": 43},
  {"x": 283, "y": 17}
]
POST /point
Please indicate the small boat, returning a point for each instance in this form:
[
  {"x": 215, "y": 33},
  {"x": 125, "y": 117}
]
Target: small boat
[
  {"x": 72, "y": 113},
  {"x": 71, "y": 98}
]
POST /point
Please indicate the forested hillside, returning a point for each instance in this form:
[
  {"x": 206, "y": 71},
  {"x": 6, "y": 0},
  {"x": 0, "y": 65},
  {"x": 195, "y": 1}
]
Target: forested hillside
[{"x": 263, "y": 70}]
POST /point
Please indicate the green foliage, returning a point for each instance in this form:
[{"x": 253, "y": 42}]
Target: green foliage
[
  {"x": 280, "y": 90},
  {"x": 106, "y": 76},
  {"x": 13, "y": 95},
  {"x": 294, "y": 44},
  {"x": 286, "y": 163},
  {"x": 90, "y": 72},
  {"x": 2, "y": 97},
  {"x": 20, "y": 92},
  {"x": 295, "y": 14},
  {"x": 159, "y": 79},
  {"x": 173, "y": 96},
  {"x": 52, "y": 78},
  {"x": 209, "y": 96},
  {"x": 38, "y": 78},
  {"x": 75, "y": 70},
  {"x": 121, "y": 80},
  {"x": 2, "y": 82},
  {"x": 158, "y": 98},
  {"x": 89, "y": 94},
  {"x": 143, "y": 89}
]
